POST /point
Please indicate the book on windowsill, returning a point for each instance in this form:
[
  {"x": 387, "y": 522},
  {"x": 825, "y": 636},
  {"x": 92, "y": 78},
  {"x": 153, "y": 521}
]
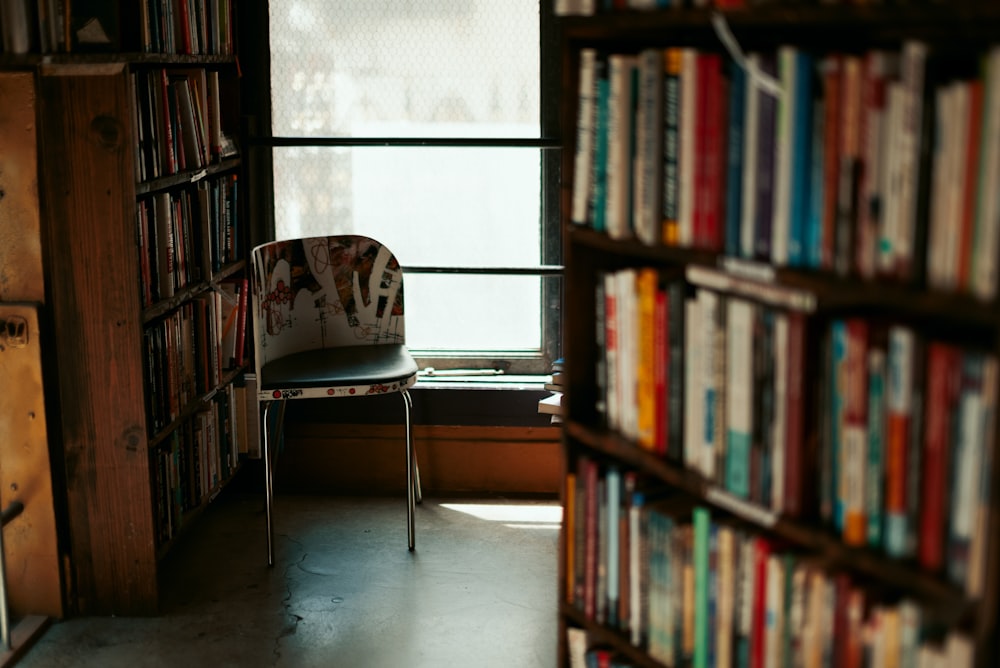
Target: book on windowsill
[{"x": 552, "y": 405}]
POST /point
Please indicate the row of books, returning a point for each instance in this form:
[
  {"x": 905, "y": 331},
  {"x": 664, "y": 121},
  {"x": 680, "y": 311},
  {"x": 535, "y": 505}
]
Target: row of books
[
  {"x": 186, "y": 235},
  {"x": 187, "y": 26},
  {"x": 188, "y": 350},
  {"x": 41, "y": 26},
  {"x": 695, "y": 588},
  {"x": 718, "y": 384},
  {"x": 834, "y": 162},
  {"x": 177, "y": 123},
  {"x": 198, "y": 457},
  {"x": 907, "y": 430}
]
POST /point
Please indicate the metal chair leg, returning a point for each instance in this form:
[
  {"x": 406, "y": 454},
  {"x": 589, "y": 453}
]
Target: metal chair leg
[
  {"x": 268, "y": 490},
  {"x": 412, "y": 476}
]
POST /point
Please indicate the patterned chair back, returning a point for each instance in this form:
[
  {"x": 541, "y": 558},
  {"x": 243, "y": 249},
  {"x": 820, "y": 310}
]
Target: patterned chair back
[{"x": 324, "y": 292}]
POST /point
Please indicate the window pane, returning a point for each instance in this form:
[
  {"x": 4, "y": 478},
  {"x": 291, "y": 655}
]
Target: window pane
[
  {"x": 474, "y": 207},
  {"x": 405, "y": 68},
  {"x": 447, "y": 312}
]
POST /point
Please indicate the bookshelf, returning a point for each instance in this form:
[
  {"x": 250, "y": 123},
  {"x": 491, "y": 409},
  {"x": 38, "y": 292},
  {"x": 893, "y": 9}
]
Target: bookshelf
[
  {"x": 143, "y": 245},
  {"x": 781, "y": 334}
]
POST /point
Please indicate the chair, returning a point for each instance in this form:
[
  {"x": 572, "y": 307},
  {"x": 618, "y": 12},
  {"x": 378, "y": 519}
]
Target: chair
[{"x": 328, "y": 323}]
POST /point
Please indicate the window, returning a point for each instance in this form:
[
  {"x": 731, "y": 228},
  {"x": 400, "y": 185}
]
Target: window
[{"x": 423, "y": 124}]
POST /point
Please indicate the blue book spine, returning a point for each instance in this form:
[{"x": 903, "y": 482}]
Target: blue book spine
[
  {"x": 734, "y": 158},
  {"x": 838, "y": 359},
  {"x": 801, "y": 159},
  {"x": 765, "y": 165},
  {"x": 813, "y": 251},
  {"x": 874, "y": 501},
  {"x": 600, "y": 183}
]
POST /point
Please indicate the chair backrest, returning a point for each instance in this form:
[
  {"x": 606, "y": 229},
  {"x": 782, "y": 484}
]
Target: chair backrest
[{"x": 324, "y": 292}]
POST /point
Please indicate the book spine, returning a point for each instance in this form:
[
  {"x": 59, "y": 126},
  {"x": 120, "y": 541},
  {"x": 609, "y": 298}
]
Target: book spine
[
  {"x": 781, "y": 227},
  {"x": 671, "y": 144},
  {"x": 831, "y": 77},
  {"x": 702, "y": 538},
  {"x": 764, "y": 198},
  {"x": 944, "y": 366},
  {"x": 796, "y": 478},
  {"x": 689, "y": 159},
  {"x": 648, "y": 146},
  {"x": 602, "y": 100},
  {"x": 734, "y": 157},
  {"x": 621, "y": 118},
  {"x": 854, "y": 455},
  {"x": 875, "y": 471},
  {"x": 900, "y": 408},
  {"x": 676, "y": 334},
  {"x": 751, "y": 143},
  {"x": 801, "y": 158},
  {"x": 739, "y": 402},
  {"x": 583, "y": 160}
]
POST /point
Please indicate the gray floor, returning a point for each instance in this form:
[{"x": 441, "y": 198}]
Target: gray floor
[{"x": 478, "y": 591}]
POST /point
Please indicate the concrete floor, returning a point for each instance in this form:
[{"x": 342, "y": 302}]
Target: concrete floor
[{"x": 479, "y": 591}]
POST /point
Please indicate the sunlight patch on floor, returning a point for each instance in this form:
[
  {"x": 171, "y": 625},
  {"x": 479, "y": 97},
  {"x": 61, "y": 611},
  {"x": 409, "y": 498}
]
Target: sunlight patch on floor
[{"x": 517, "y": 516}]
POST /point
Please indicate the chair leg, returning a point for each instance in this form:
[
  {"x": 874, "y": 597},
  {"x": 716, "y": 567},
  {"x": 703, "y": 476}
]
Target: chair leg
[
  {"x": 412, "y": 476},
  {"x": 269, "y": 476}
]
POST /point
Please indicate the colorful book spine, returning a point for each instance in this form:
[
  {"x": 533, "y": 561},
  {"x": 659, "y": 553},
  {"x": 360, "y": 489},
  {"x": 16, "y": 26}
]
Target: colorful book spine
[{"x": 734, "y": 157}]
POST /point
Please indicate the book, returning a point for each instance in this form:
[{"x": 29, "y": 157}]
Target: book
[
  {"x": 751, "y": 147},
  {"x": 688, "y": 159},
  {"x": 622, "y": 98},
  {"x": 944, "y": 384},
  {"x": 734, "y": 158},
  {"x": 585, "y": 127},
  {"x": 764, "y": 180},
  {"x": 671, "y": 144},
  {"x": 739, "y": 400},
  {"x": 648, "y": 168},
  {"x": 901, "y": 404}
]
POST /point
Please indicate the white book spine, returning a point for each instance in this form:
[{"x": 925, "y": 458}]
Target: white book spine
[
  {"x": 583, "y": 160},
  {"x": 750, "y": 144},
  {"x": 986, "y": 244},
  {"x": 781, "y": 221},
  {"x": 709, "y": 301},
  {"x": 779, "y": 429}
]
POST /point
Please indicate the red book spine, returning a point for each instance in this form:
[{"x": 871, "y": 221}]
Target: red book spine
[
  {"x": 713, "y": 157},
  {"x": 969, "y": 187},
  {"x": 795, "y": 476},
  {"x": 758, "y": 630},
  {"x": 661, "y": 370},
  {"x": 944, "y": 377},
  {"x": 700, "y": 154}
]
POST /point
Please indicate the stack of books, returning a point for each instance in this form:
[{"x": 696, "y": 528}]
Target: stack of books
[{"x": 553, "y": 404}]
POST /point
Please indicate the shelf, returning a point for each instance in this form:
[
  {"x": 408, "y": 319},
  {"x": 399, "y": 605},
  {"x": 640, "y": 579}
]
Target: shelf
[
  {"x": 192, "y": 407},
  {"x": 187, "y": 176},
  {"x": 820, "y": 541},
  {"x": 165, "y": 306}
]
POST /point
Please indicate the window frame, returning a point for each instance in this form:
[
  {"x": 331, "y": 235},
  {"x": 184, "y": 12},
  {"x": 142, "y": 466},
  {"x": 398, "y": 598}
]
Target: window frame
[{"x": 261, "y": 142}]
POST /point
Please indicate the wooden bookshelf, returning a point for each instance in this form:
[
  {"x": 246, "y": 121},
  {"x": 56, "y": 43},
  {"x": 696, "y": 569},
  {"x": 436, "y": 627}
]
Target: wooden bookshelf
[
  {"x": 128, "y": 485},
  {"x": 885, "y": 581}
]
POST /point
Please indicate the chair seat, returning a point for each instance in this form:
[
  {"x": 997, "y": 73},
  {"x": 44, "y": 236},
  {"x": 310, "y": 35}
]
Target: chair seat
[{"x": 344, "y": 366}]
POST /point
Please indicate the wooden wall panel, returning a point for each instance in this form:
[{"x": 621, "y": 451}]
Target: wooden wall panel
[
  {"x": 452, "y": 459},
  {"x": 21, "y": 276},
  {"x": 31, "y": 550},
  {"x": 88, "y": 197}
]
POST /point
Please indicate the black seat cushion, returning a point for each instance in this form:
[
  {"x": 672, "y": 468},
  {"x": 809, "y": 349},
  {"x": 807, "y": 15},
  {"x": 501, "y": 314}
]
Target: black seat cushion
[{"x": 349, "y": 365}]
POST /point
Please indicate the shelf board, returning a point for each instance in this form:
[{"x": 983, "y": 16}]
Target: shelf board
[
  {"x": 833, "y": 293},
  {"x": 187, "y": 176},
  {"x": 192, "y": 407},
  {"x": 165, "y": 306},
  {"x": 900, "y": 575}
]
